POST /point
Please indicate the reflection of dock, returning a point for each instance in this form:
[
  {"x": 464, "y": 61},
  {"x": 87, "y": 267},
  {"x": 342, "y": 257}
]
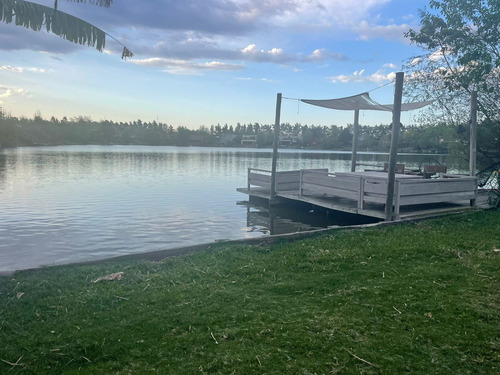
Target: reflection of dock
[
  {"x": 294, "y": 217},
  {"x": 268, "y": 221},
  {"x": 364, "y": 193}
]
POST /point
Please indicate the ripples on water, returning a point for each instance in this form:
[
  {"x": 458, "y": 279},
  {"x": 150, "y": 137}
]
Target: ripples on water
[{"x": 76, "y": 203}]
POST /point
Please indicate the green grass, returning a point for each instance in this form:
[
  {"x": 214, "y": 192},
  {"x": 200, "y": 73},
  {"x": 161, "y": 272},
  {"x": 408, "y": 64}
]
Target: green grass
[{"x": 417, "y": 298}]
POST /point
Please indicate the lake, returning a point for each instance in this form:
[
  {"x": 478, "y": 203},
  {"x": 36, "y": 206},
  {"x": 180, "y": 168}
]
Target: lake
[{"x": 75, "y": 203}]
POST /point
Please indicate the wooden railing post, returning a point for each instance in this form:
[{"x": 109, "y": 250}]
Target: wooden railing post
[
  {"x": 397, "y": 202},
  {"x": 300, "y": 182},
  {"x": 396, "y": 125},
  {"x": 275, "y": 148},
  {"x": 355, "y": 137},
  {"x": 248, "y": 178},
  {"x": 361, "y": 192},
  {"x": 473, "y": 138}
]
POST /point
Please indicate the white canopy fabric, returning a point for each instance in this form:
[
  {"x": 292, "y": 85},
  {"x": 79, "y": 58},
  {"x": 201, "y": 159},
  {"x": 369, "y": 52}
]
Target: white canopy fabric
[{"x": 362, "y": 102}]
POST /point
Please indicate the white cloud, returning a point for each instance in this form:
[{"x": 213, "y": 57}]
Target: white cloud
[
  {"x": 249, "y": 49},
  {"x": 9, "y": 68},
  {"x": 368, "y": 31},
  {"x": 252, "y": 53},
  {"x": 20, "y": 69},
  {"x": 275, "y": 52},
  {"x": 322, "y": 54},
  {"x": 174, "y": 66},
  {"x": 306, "y": 13},
  {"x": 7, "y": 92},
  {"x": 359, "y": 76},
  {"x": 437, "y": 55}
]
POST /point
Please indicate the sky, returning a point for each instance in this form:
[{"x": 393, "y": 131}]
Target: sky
[{"x": 208, "y": 62}]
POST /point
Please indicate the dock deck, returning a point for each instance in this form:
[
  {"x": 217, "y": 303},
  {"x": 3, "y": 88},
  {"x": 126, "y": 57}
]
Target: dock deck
[{"x": 364, "y": 193}]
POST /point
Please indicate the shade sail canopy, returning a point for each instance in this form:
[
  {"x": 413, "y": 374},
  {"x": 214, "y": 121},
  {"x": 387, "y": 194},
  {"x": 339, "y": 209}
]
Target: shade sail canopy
[{"x": 362, "y": 102}]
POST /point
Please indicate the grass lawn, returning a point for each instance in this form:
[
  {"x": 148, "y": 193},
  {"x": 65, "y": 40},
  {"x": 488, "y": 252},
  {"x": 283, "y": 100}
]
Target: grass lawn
[{"x": 416, "y": 298}]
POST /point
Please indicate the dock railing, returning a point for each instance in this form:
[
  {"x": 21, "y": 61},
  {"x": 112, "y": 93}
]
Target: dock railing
[
  {"x": 369, "y": 189},
  {"x": 323, "y": 183},
  {"x": 286, "y": 181}
]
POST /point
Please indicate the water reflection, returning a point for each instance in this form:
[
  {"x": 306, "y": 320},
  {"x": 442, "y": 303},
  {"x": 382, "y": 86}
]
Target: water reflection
[
  {"x": 74, "y": 203},
  {"x": 295, "y": 217}
]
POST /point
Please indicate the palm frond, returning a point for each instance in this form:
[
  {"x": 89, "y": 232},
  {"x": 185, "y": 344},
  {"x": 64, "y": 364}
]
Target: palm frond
[
  {"x": 35, "y": 16},
  {"x": 126, "y": 53}
]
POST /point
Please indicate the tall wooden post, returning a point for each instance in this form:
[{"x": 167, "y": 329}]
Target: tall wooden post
[
  {"x": 396, "y": 118},
  {"x": 473, "y": 138},
  {"x": 473, "y": 133},
  {"x": 355, "y": 137},
  {"x": 275, "y": 148}
]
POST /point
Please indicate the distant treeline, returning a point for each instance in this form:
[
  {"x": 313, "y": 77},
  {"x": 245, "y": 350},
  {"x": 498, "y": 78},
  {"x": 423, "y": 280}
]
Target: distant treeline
[{"x": 38, "y": 131}]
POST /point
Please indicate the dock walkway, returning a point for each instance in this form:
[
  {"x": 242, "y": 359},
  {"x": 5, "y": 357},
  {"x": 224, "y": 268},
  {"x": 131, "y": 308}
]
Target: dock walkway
[{"x": 364, "y": 193}]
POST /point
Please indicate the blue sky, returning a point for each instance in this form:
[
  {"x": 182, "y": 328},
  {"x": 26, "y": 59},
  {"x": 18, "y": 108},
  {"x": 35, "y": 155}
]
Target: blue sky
[{"x": 204, "y": 62}]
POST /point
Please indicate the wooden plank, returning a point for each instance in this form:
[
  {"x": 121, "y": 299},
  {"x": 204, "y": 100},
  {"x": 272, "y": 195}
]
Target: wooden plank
[
  {"x": 380, "y": 198},
  {"x": 329, "y": 181},
  {"x": 288, "y": 186},
  {"x": 257, "y": 178},
  {"x": 375, "y": 186},
  {"x": 328, "y": 190},
  {"x": 283, "y": 178},
  {"x": 436, "y": 198},
  {"x": 341, "y": 205},
  {"x": 437, "y": 187}
]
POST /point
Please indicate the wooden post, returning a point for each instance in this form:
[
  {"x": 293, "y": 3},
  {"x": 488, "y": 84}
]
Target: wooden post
[
  {"x": 275, "y": 148},
  {"x": 473, "y": 137},
  {"x": 248, "y": 179},
  {"x": 396, "y": 118},
  {"x": 355, "y": 137}
]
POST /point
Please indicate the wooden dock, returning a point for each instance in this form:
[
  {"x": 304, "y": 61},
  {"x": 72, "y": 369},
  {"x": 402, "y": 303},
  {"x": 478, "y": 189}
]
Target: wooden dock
[{"x": 364, "y": 193}]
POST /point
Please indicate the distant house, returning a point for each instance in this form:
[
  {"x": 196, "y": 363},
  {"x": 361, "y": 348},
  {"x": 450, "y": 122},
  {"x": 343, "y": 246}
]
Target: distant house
[
  {"x": 249, "y": 140},
  {"x": 290, "y": 140}
]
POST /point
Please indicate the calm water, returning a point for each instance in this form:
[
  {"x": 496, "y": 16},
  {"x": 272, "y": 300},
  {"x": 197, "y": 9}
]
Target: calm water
[{"x": 76, "y": 203}]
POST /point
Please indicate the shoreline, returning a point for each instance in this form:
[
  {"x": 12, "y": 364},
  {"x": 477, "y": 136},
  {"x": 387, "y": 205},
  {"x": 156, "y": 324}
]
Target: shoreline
[{"x": 159, "y": 255}]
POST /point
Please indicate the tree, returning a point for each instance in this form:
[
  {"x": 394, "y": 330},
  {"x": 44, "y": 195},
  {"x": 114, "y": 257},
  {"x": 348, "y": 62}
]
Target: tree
[
  {"x": 462, "y": 43},
  {"x": 467, "y": 35},
  {"x": 35, "y": 16}
]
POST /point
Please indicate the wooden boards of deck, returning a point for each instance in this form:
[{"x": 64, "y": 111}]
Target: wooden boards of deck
[{"x": 361, "y": 193}]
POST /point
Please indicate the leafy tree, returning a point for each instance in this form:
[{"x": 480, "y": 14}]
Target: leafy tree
[
  {"x": 462, "y": 43},
  {"x": 35, "y": 16}
]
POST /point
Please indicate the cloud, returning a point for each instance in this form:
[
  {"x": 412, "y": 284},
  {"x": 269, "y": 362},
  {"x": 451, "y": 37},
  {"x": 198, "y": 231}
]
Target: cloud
[
  {"x": 275, "y": 54},
  {"x": 368, "y": 31},
  {"x": 270, "y": 80},
  {"x": 321, "y": 54},
  {"x": 20, "y": 69},
  {"x": 173, "y": 66},
  {"x": 223, "y": 17},
  {"x": 359, "y": 76},
  {"x": 215, "y": 30},
  {"x": 311, "y": 14},
  {"x": 6, "y": 92},
  {"x": 193, "y": 46}
]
